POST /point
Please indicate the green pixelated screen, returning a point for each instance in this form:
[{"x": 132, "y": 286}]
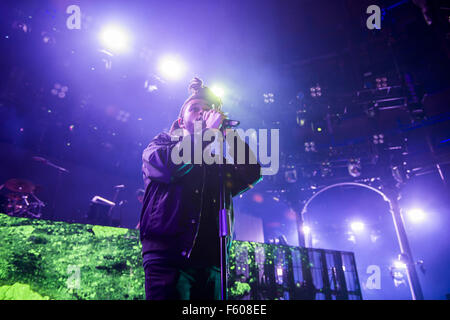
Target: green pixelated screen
[{"x": 42, "y": 259}]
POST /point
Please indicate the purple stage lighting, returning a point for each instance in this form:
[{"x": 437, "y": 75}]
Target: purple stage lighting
[
  {"x": 399, "y": 265},
  {"x": 115, "y": 39},
  {"x": 416, "y": 215},
  {"x": 357, "y": 226},
  {"x": 218, "y": 91},
  {"x": 171, "y": 67},
  {"x": 306, "y": 230}
]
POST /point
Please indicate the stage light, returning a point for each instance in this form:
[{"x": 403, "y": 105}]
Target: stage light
[
  {"x": 351, "y": 237},
  {"x": 316, "y": 91},
  {"x": 378, "y": 139},
  {"x": 47, "y": 38},
  {"x": 306, "y": 230},
  {"x": 22, "y": 26},
  {"x": 290, "y": 175},
  {"x": 325, "y": 169},
  {"x": 280, "y": 271},
  {"x": 149, "y": 86},
  {"x": 115, "y": 38},
  {"x": 269, "y": 98},
  {"x": 59, "y": 90},
  {"x": 310, "y": 146},
  {"x": 301, "y": 116},
  {"x": 381, "y": 83},
  {"x": 123, "y": 116},
  {"x": 171, "y": 67},
  {"x": 397, "y": 270},
  {"x": 218, "y": 91},
  {"x": 416, "y": 215},
  {"x": 357, "y": 226},
  {"x": 354, "y": 167},
  {"x": 399, "y": 265}
]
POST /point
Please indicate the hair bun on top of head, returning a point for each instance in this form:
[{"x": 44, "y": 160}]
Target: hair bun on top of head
[
  {"x": 199, "y": 91},
  {"x": 195, "y": 85}
]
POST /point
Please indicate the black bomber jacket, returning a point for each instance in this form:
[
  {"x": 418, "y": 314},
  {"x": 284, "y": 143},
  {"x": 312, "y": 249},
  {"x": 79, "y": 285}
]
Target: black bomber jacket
[{"x": 176, "y": 194}]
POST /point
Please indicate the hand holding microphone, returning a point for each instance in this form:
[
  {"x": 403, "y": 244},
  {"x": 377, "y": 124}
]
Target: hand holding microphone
[
  {"x": 213, "y": 119},
  {"x": 218, "y": 120}
]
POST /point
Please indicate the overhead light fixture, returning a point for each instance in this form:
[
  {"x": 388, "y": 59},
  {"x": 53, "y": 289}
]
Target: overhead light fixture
[
  {"x": 59, "y": 90},
  {"x": 269, "y": 98},
  {"x": 378, "y": 139},
  {"x": 115, "y": 39},
  {"x": 357, "y": 226},
  {"x": 218, "y": 91},
  {"x": 290, "y": 175},
  {"x": 316, "y": 91},
  {"x": 416, "y": 215},
  {"x": 354, "y": 167},
  {"x": 149, "y": 86},
  {"x": 172, "y": 67},
  {"x": 123, "y": 116},
  {"x": 310, "y": 146},
  {"x": 381, "y": 83}
]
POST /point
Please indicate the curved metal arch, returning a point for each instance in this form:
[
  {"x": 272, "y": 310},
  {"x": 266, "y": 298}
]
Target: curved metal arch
[
  {"x": 414, "y": 284},
  {"x": 305, "y": 206}
]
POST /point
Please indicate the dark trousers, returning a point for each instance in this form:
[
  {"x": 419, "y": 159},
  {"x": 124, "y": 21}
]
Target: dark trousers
[{"x": 170, "y": 280}]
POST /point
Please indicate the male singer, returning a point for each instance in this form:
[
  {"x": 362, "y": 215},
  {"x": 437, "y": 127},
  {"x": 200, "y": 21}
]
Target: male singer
[{"x": 179, "y": 223}]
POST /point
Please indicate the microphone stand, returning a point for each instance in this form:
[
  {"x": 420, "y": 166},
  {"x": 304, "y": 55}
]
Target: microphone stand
[
  {"x": 223, "y": 229},
  {"x": 224, "y": 223}
]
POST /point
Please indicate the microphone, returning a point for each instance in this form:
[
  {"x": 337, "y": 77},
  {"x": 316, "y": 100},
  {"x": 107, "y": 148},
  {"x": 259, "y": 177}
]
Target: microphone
[
  {"x": 228, "y": 123},
  {"x": 120, "y": 186}
]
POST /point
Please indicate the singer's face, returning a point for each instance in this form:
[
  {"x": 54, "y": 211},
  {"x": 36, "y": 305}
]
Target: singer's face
[{"x": 194, "y": 112}]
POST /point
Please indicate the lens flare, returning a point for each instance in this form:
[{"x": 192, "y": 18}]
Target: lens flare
[
  {"x": 115, "y": 39},
  {"x": 357, "y": 226},
  {"x": 416, "y": 215},
  {"x": 172, "y": 67},
  {"x": 218, "y": 91}
]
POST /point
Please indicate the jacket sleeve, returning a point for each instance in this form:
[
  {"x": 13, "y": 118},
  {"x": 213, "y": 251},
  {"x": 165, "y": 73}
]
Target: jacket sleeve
[
  {"x": 242, "y": 177},
  {"x": 157, "y": 163}
]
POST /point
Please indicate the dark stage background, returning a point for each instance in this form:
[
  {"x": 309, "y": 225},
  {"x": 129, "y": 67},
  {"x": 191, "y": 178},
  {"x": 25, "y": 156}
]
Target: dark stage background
[{"x": 64, "y": 98}]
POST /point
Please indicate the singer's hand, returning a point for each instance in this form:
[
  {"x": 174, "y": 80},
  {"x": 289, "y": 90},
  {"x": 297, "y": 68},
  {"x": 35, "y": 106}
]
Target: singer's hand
[{"x": 213, "y": 119}]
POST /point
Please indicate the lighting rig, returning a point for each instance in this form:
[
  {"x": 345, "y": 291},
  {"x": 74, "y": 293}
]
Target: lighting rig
[{"x": 367, "y": 138}]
